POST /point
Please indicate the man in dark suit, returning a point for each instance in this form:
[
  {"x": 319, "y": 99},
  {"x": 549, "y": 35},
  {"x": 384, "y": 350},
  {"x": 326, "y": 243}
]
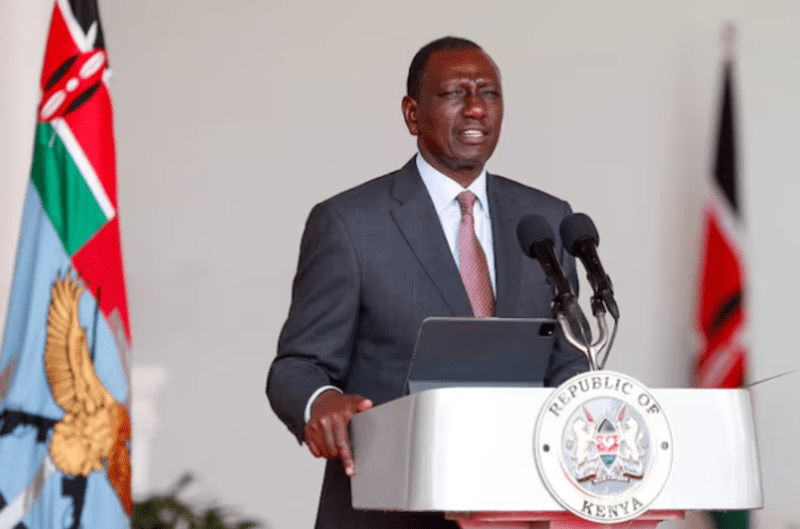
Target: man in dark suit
[{"x": 376, "y": 260}]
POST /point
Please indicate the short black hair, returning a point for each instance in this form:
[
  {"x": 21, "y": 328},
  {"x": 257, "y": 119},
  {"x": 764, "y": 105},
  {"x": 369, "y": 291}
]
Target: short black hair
[{"x": 420, "y": 60}]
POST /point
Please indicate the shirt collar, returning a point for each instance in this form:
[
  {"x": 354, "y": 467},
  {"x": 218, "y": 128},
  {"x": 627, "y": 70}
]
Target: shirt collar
[{"x": 444, "y": 190}]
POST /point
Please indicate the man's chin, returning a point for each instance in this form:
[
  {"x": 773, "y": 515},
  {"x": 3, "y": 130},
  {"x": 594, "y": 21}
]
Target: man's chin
[
  {"x": 459, "y": 167},
  {"x": 466, "y": 164},
  {"x": 471, "y": 156}
]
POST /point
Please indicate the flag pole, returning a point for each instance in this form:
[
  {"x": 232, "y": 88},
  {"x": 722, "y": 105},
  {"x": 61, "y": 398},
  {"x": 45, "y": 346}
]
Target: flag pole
[{"x": 729, "y": 34}]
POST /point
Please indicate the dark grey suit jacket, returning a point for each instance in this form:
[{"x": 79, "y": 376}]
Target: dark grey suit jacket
[{"x": 374, "y": 263}]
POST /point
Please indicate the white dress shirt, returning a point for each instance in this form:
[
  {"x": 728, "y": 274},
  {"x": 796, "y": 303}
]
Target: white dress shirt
[{"x": 443, "y": 191}]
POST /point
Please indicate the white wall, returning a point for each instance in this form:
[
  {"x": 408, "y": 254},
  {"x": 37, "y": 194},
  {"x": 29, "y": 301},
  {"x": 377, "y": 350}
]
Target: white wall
[
  {"x": 234, "y": 118},
  {"x": 23, "y": 30}
]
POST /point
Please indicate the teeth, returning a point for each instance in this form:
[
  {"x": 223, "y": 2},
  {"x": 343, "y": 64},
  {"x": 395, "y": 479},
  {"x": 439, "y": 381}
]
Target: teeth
[{"x": 472, "y": 133}]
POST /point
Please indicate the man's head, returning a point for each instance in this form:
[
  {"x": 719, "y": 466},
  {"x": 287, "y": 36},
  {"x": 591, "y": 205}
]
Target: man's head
[{"x": 454, "y": 106}]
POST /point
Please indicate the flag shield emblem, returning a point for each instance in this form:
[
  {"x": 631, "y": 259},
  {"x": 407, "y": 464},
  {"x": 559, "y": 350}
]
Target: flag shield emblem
[{"x": 607, "y": 443}]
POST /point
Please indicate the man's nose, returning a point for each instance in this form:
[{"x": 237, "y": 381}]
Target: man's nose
[{"x": 475, "y": 106}]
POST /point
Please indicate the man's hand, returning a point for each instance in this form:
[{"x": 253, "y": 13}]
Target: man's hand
[{"x": 326, "y": 433}]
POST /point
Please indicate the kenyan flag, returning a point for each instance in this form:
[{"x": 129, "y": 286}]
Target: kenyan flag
[
  {"x": 64, "y": 375},
  {"x": 722, "y": 362}
]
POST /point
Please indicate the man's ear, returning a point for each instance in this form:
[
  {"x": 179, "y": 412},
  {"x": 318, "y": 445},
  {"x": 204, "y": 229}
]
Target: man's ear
[{"x": 410, "y": 114}]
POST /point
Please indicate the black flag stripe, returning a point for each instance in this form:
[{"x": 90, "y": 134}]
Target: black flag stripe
[
  {"x": 87, "y": 13},
  {"x": 725, "y": 166}
]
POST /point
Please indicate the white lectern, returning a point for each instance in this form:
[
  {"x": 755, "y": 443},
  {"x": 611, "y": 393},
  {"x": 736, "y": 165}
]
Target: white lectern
[{"x": 470, "y": 452}]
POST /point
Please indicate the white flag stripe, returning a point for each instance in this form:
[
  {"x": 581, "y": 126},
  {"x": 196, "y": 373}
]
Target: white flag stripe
[
  {"x": 82, "y": 41},
  {"x": 720, "y": 363},
  {"x": 18, "y": 508},
  {"x": 84, "y": 166},
  {"x": 730, "y": 225}
]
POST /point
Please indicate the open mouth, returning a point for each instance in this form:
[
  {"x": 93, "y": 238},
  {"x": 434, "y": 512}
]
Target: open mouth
[{"x": 471, "y": 135}]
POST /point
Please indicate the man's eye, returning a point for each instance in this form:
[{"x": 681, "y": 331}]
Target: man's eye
[
  {"x": 490, "y": 92},
  {"x": 454, "y": 94}
]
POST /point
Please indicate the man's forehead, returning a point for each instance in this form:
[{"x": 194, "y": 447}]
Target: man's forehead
[{"x": 462, "y": 61}]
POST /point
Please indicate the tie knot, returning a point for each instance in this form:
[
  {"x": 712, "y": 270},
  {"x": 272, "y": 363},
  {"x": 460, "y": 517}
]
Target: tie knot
[{"x": 466, "y": 199}]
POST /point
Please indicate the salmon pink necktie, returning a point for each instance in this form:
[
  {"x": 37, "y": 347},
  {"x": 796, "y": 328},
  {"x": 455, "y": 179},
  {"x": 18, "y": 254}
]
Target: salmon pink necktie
[{"x": 474, "y": 270}]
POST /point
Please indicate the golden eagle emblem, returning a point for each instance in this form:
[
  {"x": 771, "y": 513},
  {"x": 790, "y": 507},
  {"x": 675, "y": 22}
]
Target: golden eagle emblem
[{"x": 95, "y": 426}]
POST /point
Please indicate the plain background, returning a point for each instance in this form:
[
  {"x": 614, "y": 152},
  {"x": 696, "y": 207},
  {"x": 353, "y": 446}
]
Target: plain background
[{"x": 234, "y": 118}]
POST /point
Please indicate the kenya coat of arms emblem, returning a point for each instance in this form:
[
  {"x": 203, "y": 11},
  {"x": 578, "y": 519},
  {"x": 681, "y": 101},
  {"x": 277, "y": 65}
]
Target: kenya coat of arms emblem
[
  {"x": 610, "y": 451},
  {"x": 603, "y": 446}
]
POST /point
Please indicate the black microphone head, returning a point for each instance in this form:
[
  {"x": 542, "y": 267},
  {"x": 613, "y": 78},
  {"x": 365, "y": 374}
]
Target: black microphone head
[
  {"x": 532, "y": 229},
  {"x": 575, "y": 228}
]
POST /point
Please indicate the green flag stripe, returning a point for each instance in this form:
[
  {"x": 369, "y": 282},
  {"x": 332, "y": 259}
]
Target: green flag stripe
[
  {"x": 731, "y": 519},
  {"x": 84, "y": 166},
  {"x": 66, "y": 198}
]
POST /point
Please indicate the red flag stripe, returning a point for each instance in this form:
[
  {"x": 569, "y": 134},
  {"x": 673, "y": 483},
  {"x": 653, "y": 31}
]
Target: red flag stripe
[
  {"x": 60, "y": 46},
  {"x": 100, "y": 264},
  {"x": 721, "y": 315},
  {"x": 92, "y": 125}
]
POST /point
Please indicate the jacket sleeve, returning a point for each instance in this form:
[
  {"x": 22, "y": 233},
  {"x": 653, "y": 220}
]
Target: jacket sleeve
[
  {"x": 565, "y": 360},
  {"x": 316, "y": 342}
]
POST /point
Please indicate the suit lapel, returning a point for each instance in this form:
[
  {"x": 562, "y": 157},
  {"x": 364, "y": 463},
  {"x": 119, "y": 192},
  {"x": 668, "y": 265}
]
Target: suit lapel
[
  {"x": 416, "y": 218},
  {"x": 507, "y": 253}
]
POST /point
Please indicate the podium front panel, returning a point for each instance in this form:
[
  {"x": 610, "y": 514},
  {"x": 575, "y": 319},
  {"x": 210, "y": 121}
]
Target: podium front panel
[{"x": 471, "y": 449}]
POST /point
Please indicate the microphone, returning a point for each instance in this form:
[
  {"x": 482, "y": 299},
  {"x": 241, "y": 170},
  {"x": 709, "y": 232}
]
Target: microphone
[
  {"x": 580, "y": 238},
  {"x": 536, "y": 239}
]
